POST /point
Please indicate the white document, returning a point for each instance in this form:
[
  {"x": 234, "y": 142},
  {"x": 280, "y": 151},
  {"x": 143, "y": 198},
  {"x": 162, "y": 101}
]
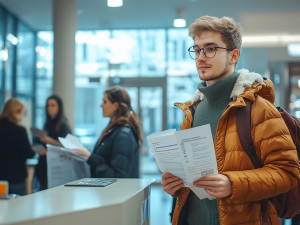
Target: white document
[
  {"x": 188, "y": 154},
  {"x": 71, "y": 142},
  {"x": 64, "y": 166},
  {"x": 66, "y": 151}
]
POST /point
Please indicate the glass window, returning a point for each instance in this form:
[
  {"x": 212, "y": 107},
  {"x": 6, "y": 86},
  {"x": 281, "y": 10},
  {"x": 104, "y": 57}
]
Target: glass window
[
  {"x": 44, "y": 57},
  {"x": 2, "y": 49},
  {"x": 180, "y": 89},
  {"x": 138, "y": 53},
  {"x": 44, "y": 74},
  {"x": 179, "y": 61},
  {"x": 89, "y": 122},
  {"x": 92, "y": 53},
  {"x": 294, "y": 104},
  {"x": 25, "y": 60},
  {"x": 3, "y": 55},
  {"x": 11, "y": 42}
]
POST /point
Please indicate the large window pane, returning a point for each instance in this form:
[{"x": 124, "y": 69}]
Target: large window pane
[
  {"x": 44, "y": 74},
  {"x": 180, "y": 89},
  {"x": 2, "y": 50},
  {"x": 3, "y": 53},
  {"x": 179, "y": 62},
  {"x": 138, "y": 53},
  {"x": 92, "y": 53},
  {"x": 11, "y": 42},
  {"x": 25, "y": 60}
]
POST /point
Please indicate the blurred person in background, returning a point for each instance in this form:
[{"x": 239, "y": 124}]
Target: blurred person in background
[
  {"x": 116, "y": 154},
  {"x": 15, "y": 147},
  {"x": 56, "y": 125}
]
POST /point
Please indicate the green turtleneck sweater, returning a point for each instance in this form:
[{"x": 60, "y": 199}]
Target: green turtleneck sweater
[{"x": 209, "y": 111}]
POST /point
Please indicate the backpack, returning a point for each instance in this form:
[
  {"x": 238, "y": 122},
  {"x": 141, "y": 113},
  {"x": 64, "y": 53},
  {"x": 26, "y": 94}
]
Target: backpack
[{"x": 286, "y": 204}]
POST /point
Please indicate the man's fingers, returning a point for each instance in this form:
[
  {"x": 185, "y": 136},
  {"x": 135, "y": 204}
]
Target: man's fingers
[
  {"x": 171, "y": 188},
  {"x": 171, "y": 183}
]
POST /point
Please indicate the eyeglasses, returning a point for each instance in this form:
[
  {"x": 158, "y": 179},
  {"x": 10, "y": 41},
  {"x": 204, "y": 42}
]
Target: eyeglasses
[{"x": 209, "y": 51}]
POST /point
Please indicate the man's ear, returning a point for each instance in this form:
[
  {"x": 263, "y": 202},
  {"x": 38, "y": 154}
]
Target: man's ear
[{"x": 235, "y": 54}]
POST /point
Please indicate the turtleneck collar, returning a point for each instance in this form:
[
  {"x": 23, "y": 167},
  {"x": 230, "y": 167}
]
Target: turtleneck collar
[{"x": 221, "y": 88}]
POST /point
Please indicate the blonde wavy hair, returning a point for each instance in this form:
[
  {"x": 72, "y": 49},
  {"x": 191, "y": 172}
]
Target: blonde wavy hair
[{"x": 10, "y": 110}]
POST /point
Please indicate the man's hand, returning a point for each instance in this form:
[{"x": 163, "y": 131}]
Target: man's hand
[
  {"x": 217, "y": 185},
  {"x": 171, "y": 183}
]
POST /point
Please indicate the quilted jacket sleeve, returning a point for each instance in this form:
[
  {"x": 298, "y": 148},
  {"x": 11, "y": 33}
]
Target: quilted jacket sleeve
[{"x": 277, "y": 153}]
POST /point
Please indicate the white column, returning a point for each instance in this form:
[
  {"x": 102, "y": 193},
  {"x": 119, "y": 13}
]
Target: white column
[{"x": 64, "y": 28}]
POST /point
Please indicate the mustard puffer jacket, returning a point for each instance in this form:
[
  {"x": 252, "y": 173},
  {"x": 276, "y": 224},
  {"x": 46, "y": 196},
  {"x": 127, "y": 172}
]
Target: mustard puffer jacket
[{"x": 274, "y": 148}]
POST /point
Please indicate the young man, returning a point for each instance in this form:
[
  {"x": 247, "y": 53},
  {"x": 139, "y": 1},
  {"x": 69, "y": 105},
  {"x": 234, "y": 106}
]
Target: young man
[{"x": 238, "y": 187}]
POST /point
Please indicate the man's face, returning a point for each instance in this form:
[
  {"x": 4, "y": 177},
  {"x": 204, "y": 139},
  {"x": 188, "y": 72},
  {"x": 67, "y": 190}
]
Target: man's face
[{"x": 221, "y": 65}]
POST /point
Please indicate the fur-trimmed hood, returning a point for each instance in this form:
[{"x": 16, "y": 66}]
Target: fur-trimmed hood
[{"x": 245, "y": 80}]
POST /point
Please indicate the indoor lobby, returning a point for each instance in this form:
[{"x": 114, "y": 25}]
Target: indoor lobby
[{"x": 78, "y": 48}]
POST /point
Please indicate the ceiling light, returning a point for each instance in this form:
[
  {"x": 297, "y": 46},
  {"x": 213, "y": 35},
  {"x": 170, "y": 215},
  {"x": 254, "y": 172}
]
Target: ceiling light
[
  {"x": 294, "y": 50},
  {"x": 114, "y": 3},
  {"x": 179, "y": 21},
  {"x": 12, "y": 39},
  {"x": 4, "y": 54},
  {"x": 270, "y": 40}
]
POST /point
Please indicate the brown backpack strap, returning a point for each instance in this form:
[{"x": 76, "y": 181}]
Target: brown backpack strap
[{"x": 243, "y": 120}]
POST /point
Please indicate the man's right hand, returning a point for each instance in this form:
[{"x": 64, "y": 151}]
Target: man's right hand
[{"x": 171, "y": 183}]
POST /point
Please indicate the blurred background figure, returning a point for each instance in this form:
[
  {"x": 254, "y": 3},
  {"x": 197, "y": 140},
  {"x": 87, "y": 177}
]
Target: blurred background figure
[
  {"x": 116, "y": 154},
  {"x": 15, "y": 147},
  {"x": 56, "y": 125}
]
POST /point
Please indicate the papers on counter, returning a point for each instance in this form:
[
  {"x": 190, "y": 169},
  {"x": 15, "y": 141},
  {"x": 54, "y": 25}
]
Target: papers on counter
[{"x": 188, "y": 154}]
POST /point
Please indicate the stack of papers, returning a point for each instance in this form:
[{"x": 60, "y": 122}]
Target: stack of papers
[
  {"x": 66, "y": 151},
  {"x": 188, "y": 154},
  {"x": 69, "y": 142}
]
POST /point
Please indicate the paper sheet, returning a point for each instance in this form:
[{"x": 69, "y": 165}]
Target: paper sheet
[
  {"x": 65, "y": 166},
  {"x": 188, "y": 154},
  {"x": 71, "y": 142},
  {"x": 67, "y": 151}
]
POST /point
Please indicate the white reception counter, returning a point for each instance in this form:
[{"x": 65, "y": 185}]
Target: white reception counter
[{"x": 125, "y": 202}]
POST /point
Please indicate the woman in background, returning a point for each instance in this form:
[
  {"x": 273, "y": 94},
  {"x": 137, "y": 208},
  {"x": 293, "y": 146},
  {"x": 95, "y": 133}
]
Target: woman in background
[
  {"x": 15, "y": 148},
  {"x": 56, "y": 126},
  {"x": 116, "y": 154}
]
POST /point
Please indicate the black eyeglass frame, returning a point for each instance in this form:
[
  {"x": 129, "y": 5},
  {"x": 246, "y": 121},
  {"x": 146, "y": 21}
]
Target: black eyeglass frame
[{"x": 202, "y": 49}]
